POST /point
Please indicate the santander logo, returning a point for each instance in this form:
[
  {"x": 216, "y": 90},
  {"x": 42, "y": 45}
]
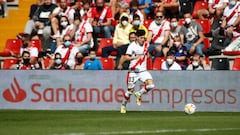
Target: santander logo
[{"x": 15, "y": 93}]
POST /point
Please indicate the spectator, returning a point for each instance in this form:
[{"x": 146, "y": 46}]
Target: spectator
[
  {"x": 198, "y": 63},
  {"x": 192, "y": 35},
  {"x": 93, "y": 63},
  {"x": 82, "y": 32},
  {"x": 170, "y": 63},
  {"x": 79, "y": 65},
  {"x": 27, "y": 46},
  {"x": 158, "y": 36},
  {"x": 120, "y": 38},
  {"x": 180, "y": 52},
  {"x": 34, "y": 8},
  {"x": 24, "y": 64},
  {"x": 85, "y": 11},
  {"x": 169, "y": 7},
  {"x": 124, "y": 65},
  {"x": 58, "y": 64},
  {"x": 137, "y": 25},
  {"x": 101, "y": 19},
  {"x": 41, "y": 22},
  {"x": 68, "y": 51},
  {"x": 134, "y": 11},
  {"x": 61, "y": 10},
  {"x": 147, "y": 8},
  {"x": 174, "y": 30},
  {"x": 3, "y": 8}
]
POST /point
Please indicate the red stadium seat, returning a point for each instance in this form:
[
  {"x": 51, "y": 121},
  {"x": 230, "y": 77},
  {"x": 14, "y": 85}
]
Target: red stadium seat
[
  {"x": 149, "y": 64},
  {"x": 206, "y": 25},
  {"x": 181, "y": 22},
  {"x": 199, "y": 5},
  {"x": 146, "y": 23},
  {"x": 157, "y": 64},
  {"x": 236, "y": 64},
  {"x": 7, "y": 63},
  {"x": 107, "y": 63},
  {"x": 13, "y": 45},
  {"x": 37, "y": 43},
  {"x": 231, "y": 53},
  {"x": 104, "y": 43}
]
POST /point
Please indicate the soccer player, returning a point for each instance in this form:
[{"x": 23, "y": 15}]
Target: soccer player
[{"x": 137, "y": 54}]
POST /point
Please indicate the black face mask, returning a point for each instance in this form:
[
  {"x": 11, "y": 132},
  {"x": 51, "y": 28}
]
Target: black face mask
[
  {"x": 99, "y": 8},
  {"x": 79, "y": 60},
  {"x": 26, "y": 61},
  {"x": 25, "y": 45}
]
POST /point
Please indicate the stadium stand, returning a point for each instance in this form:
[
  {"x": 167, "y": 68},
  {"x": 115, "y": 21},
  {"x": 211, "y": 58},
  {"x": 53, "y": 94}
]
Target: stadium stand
[
  {"x": 158, "y": 63},
  {"x": 13, "y": 45},
  {"x": 103, "y": 43},
  {"x": 199, "y": 5},
  {"x": 220, "y": 64},
  {"x": 7, "y": 63}
]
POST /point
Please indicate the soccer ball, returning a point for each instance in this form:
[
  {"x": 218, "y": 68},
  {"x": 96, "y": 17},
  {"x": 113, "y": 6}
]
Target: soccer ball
[{"x": 190, "y": 108}]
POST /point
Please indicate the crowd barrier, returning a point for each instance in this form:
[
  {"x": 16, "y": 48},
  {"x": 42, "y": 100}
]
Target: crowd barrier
[{"x": 213, "y": 91}]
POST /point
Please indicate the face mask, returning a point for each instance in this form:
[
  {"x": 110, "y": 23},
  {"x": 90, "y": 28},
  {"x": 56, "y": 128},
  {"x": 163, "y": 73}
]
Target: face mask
[
  {"x": 232, "y": 4},
  {"x": 136, "y": 22},
  {"x": 169, "y": 61},
  {"x": 174, "y": 24},
  {"x": 26, "y": 61},
  {"x": 124, "y": 23},
  {"x": 79, "y": 60},
  {"x": 58, "y": 61},
  {"x": 92, "y": 57},
  {"x": 64, "y": 24},
  {"x": 99, "y": 8},
  {"x": 188, "y": 20},
  {"x": 158, "y": 22},
  {"x": 195, "y": 63},
  {"x": 177, "y": 44},
  {"x": 67, "y": 43}
]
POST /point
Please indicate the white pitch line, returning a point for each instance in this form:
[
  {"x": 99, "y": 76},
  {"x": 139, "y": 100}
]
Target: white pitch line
[{"x": 153, "y": 131}]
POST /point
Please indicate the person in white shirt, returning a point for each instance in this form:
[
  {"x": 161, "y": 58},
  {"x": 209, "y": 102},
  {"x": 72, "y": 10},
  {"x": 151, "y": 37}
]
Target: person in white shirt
[
  {"x": 170, "y": 63},
  {"x": 137, "y": 54},
  {"x": 68, "y": 51}
]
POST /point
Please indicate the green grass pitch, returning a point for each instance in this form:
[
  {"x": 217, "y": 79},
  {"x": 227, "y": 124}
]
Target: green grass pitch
[{"x": 42, "y": 122}]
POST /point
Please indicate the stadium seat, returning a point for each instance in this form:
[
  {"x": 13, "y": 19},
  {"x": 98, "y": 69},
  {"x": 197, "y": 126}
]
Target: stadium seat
[
  {"x": 181, "y": 22},
  {"x": 231, "y": 53},
  {"x": 147, "y": 23},
  {"x": 107, "y": 63},
  {"x": 7, "y": 63},
  {"x": 149, "y": 64},
  {"x": 236, "y": 64},
  {"x": 199, "y": 5},
  {"x": 220, "y": 64},
  {"x": 13, "y": 45},
  {"x": 37, "y": 43},
  {"x": 206, "y": 25},
  {"x": 103, "y": 43},
  {"x": 157, "y": 64}
]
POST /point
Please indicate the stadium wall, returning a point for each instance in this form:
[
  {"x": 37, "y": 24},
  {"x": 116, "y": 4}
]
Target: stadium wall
[{"x": 214, "y": 91}]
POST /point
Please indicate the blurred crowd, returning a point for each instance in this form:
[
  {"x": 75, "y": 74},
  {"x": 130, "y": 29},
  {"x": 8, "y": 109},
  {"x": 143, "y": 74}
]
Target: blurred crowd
[{"x": 71, "y": 30}]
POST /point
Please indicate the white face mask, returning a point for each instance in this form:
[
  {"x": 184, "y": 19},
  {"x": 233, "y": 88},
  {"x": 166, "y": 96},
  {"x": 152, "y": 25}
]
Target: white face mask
[
  {"x": 188, "y": 20},
  {"x": 232, "y": 3},
  {"x": 64, "y": 24},
  {"x": 195, "y": 63},
  {"x": 124, "y": 23},
  {"x": 169, "y": 61}
]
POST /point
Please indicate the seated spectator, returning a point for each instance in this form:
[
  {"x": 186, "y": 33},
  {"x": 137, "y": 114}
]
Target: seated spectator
[
  {"x": 170, "y": 63},
  {"x": 3, "y": 8},
  {"x": 68, "y": 51},
  {"x": 198, "y": 63},
  {"x": 61, "y": 10},
  {"x": 120, "y": 37},
  {"x": 58, "y": 64},
  {"x": 101, "y": 19},
  {"x": 82, "y": 32},
  {"x": 122, "y": 51},
  {"x": 174, "y": 30},
  {"x": 192, "y": 35},
  {"x": 180, "y": 52},
  {"x": 34, "y": 8},
  {"x": 169, "y": 7},
  {"x": 85, "y": 11},
  {"x": 158, "y": 36},
  {"x": 41, "y": 22},
  {"x": 27, "y": 46},
  {"x": 134, "y": 10},
  {"x": 93, "y": 63},
  {"x": 137, "y": 25},
  {"x": 24, "y": 64},
  {"x": 79, "y": 65}
]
